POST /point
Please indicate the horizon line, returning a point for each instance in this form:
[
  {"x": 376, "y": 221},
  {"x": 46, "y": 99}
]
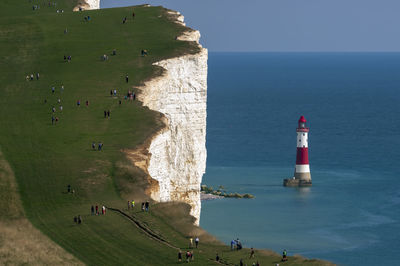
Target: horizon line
[{"x": 331, "y": 52}]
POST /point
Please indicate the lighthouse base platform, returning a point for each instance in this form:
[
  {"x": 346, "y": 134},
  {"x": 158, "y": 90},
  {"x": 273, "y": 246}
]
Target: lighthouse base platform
[{"x": 294, "y": 182}]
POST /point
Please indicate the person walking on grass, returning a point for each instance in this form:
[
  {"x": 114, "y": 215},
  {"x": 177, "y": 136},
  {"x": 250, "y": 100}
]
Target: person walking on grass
[
  {"x": 284, "y": 255},
  {"x": 108, "y": 113},
  {"x": 187, "y": 256},
  {"x": 129, "y": 205},
  {"x": 53, "y": 90},
  {"x": 133, "y": 204},
  {"x": 105, "y": 114},
  {"x": 191, "y": 242},
  {"x": 97, "y": 209},
  {"x": 252, "y": 253},
  {"x": 92, "y": 210},
  {"x": 142, "y": 206},
  {"x": 180, "y": 256},
  {"x": 37, "y": 76},
  {"x": 126, "y": 78},
  {"x": 103, "y": 210},
  {"x": 93, "y": 145},
  {"x": 196, "y": 241},
  {"x": 52, "y": 120},
  {"x": 147, "y": 204}
]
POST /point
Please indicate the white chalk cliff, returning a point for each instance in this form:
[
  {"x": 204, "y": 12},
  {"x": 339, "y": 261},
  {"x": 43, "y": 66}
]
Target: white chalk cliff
[
  {"x": 178, "y": 153},
  {"x": 176, "y": 157},
  {"x": 88, "y": 5}
]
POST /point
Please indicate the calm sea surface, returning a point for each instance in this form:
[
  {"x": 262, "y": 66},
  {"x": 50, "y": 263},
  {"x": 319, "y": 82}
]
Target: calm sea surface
[{"x": 351, "y": 101}]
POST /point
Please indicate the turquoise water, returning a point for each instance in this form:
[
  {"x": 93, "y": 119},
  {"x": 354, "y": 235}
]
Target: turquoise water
[{"x": 351, "y": 100}]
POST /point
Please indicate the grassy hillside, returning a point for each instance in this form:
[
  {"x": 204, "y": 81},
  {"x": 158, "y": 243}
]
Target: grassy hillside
[{"x": 46, "y": 157}]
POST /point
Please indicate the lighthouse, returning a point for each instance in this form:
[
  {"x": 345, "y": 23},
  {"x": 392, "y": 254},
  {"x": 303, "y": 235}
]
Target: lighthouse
[{"x": 302, "y": 176}]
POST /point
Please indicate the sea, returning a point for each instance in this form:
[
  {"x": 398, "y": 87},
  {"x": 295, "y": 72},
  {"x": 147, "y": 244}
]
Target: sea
[{"x": 351, "y": 214}]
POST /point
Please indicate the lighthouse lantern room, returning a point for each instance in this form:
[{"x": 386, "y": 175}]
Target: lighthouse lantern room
[{"x": 302, "y": 176}]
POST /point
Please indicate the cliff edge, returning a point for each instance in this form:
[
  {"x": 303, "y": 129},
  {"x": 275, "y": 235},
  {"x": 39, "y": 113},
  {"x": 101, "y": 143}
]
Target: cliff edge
[
  {"x": 178, "y": 153},
  {"x": 87, "y": 5}
]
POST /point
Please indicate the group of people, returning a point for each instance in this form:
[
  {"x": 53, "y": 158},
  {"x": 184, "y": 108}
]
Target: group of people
[
  {"x": 196, "y": 241},
  {"x": 99, "y": 146},
  {"x": 144, "y": 207},
  {"x": 67, "y": 58},
  {"x": 130, "y": 95},
  {"x": 252, "y": 254},
  {"x": 32, "y": 77},
  {"x": 189, "y": 256},
  {"x": 36, "y": 7},
  {"x": 95, "y": 210},
  {"x": 53, "y": 89},
  {"x": 125, "y": 19},
  {"x": 78, "y": 102},
  {"x": 54, "y": 119},
  {"x": 107, "y": 113},
  {"x": 78, "y": 219},
  {"x": 236, "y": 244},
  {"x": 104, "y": 57},
  {"x": 144, "y": 52}
]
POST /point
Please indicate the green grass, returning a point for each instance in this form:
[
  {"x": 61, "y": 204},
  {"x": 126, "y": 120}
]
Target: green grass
[{"x": 45, "y": 157}]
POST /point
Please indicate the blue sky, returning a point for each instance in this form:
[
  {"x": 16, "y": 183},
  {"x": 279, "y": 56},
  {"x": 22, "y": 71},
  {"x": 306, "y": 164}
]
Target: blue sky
[{"x": 289, "y": 25}]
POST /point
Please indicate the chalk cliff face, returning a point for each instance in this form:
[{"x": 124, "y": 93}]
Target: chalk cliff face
[
  {"x": 88, "y": 4},
  {"x": 178, "y": 153}
]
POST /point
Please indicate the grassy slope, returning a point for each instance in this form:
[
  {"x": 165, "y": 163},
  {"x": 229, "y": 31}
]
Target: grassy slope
[
  {"x": 20, "y": 242},
  {"x": 46, "y": 158}
]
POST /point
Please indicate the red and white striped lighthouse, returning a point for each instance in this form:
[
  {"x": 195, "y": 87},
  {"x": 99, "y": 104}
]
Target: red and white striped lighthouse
[
  {"x": 302, "y": 176},
  {"x": 302, "y": 170}
]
